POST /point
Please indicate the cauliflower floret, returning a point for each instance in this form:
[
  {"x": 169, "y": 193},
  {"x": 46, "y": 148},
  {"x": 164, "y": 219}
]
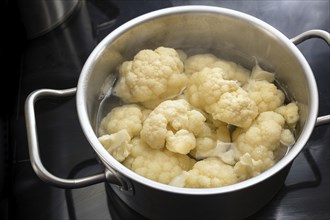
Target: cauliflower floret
[
  {"x": 212, "y": 134},
  {"x": 290, "y": 113},
  {"x": 169, "y": 123},
  {"x": 197, "y": 63},
  {"x": 231, "y": 70},
  {"x": 213, "y": 142},
  {"x": 181, "y": 142},
  {"x": 152, "y": 77},
  {"x": 226, "y": 152},
  {"x": 159, "y": 165},
  {"x": 180, "y": 181},
  {"x": 127, "y": 117},
  {"x": 211, "y": 148},
  {"x": 235, "y": 108},
  {"x": 211, "y": 172},
  {"x": 244, "y": 168},
  {"x": 250, "y": 165},
  {"x": 204, "y": 147},
  {"x": 247, "y": 167},
  {"x": 265, "y": 130},
  {"x": 287, "y": 138},
  {"x": 271, "y": 116},
  {"x": 258, "y": 143},
  {"x": 225, "y": 100},
  {"x": 207, "y": 86},
  {"x": 265, "y": 94},
  {"x": 117, "y": 144}
]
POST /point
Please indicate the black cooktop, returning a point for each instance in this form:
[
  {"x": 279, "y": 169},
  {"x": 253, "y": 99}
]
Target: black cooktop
[{"x": 54, "y": 60}]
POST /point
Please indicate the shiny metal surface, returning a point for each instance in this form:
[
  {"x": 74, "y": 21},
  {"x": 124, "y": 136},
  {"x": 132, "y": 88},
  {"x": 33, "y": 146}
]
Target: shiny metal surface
[
  {"x": 32, "y": 136},
  {"x": 312, "y": 34},
  {"x": 197, "y": 29},
  {"x": 105, "y": 99},
  {"x": 149, "y": 32},
  {"x": 322, "y": 120},
  {"x": 40, "y": 17}
]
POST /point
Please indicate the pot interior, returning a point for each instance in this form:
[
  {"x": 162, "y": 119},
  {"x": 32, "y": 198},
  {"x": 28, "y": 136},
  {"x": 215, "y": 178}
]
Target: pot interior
[{"x": 227, "y": 34}]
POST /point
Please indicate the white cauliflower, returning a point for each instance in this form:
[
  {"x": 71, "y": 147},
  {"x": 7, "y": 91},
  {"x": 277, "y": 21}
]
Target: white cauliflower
[
  {"x": 225, "y": 151},
  {"x": 159, "y": 165},
  {"x": 234, "y": 123},
  {"x": 128, "y": 117},
  {"x": 231, "y": 70},
  {"x": 211, "y": 172},
  {"x": 248, "y": 167},
  {"x": 117, "y": 144},
  {"x": 265, "y": 95},
  {"x": 170, "y": 123},
  {"x": 256, "y": 145},
  {"x": 152, "y": 77},
  {"x": 290, "y": 113},
  {"x": 197, "y": 63},
  {"x": 181, "y": 142},
  {"x": 212, "y": 142},
  {"x": 287, "y": 138},
  {"x": 225, "y": 100},
  {"x": 265, "y": 131}
]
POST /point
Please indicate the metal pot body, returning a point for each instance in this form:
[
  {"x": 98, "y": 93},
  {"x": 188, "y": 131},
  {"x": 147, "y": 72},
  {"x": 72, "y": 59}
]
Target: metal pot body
[
  {"x": 226, "y": 33},
  {"x": 230, "y": 35},
  {"x": 157, "y": 204}
]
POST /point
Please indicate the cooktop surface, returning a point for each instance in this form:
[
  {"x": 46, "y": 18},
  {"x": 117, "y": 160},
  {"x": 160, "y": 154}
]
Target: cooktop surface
[{"x": 55, "y": 59}]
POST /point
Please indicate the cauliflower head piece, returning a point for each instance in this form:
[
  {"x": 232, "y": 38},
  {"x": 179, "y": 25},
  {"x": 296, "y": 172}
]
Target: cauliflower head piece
[
  {"x": 198, "y": 62},
  {"x": 151, "y": 77},
  {"x": 265, "y": 95},
  {"x": 290, "y": 112},
  {"x": 224, "y": 99},
  {"x": 173, "y": 124},
  {"x": 248, "y": 167},
  {"x": 117, "y": 144},
  {"x": 211, "y": 172},
  {"x": 265, "y": 131},
  {"x": 257, "y": 144},
  {"x": 158, "y": 165},
  {"x": 128, "y": 117},
  {"x": 231, "y": 70},
  {"x": 214, "y": 141}
]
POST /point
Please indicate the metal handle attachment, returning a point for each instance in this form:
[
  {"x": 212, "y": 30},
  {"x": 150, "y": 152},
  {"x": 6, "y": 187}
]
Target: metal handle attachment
[
  {"x": 311, "y": 34},
  {"x": 36, "y": 162},
  {"x": 322, "y": 120}
]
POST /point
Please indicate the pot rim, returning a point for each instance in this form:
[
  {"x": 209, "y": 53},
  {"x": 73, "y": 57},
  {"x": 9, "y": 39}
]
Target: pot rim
[{"x": 113, "y": 163}]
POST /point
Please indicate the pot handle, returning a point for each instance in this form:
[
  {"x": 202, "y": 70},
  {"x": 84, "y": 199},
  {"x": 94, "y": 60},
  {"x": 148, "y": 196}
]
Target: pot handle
[
  {"x": 36, "y": 162},
  {"x": 311, "y": 34},
  {"x": 322, "y": 120}
]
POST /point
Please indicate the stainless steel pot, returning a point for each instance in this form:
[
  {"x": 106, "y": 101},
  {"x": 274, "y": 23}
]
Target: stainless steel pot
[
  {"x": 40, "y": 17},
  {"x": 229, "y": 34}
]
